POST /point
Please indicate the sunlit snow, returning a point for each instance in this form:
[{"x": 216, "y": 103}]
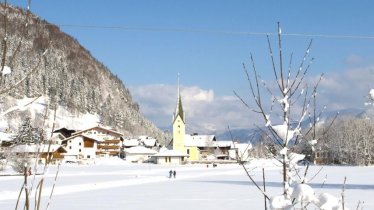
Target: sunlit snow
[{"x": 114, "y": 184}]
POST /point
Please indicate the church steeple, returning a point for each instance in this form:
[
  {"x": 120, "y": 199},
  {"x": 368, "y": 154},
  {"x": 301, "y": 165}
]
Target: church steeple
[
  {"x": 179, "y": 108},
  {"x": 179, "y": 125}
]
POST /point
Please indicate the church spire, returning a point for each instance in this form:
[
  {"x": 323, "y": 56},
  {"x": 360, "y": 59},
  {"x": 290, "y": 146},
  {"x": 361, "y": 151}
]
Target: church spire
[{"x": 179, "y": 108}]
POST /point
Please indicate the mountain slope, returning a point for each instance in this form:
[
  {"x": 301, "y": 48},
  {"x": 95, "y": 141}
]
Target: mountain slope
[{"x": 66, "y": 73}]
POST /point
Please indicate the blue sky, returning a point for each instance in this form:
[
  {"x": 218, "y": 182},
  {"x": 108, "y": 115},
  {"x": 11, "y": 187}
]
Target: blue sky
[{"x": 198, "y": 39}]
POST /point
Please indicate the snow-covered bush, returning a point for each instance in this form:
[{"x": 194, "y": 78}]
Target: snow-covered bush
[{"x": 18, "y": 163}]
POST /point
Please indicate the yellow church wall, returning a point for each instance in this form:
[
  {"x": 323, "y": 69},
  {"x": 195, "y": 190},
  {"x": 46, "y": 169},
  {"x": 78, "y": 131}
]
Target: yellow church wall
[{"x": 194, "y": 153}]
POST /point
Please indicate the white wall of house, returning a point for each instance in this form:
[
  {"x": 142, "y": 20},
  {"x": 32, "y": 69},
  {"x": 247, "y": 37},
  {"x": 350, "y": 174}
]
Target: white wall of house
[
  {"x": 75, "y": 147},
  {"x": 169, "y": 160}
]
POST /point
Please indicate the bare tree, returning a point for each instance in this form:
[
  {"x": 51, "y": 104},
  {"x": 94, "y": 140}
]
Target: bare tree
[
  {"x": 349, "y": 141},
  {"x": 293, "y": 102}
]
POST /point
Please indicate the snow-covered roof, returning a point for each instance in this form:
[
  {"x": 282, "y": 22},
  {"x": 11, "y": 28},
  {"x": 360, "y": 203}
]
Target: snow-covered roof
[
  {"x": 204, "y": 141},
  {"x": 6, "y": 136},
  {"x": 149, "y": 142},
  {"x": 140, "y": 150},
  {"x": 130, "y": 142},
  {"x": 243, "y": 146},
  {"x": 224, "y": 143},
  {"x": 170, "y": 153},
  {"x": 199, "y": 140},
  {"x": 85, "y": 136},
  {"x": 99, "y": 127},
  {"x": 37, "y": 148}
]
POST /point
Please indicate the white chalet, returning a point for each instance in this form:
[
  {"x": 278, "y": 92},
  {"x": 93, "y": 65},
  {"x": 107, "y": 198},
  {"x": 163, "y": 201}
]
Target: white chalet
[{"x": 89, "y": 143}]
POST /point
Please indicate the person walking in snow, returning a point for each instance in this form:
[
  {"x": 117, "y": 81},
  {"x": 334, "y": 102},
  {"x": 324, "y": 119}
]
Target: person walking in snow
[
  {"x": 174, "y": 174},
  {"x": 170, "y": 173}
]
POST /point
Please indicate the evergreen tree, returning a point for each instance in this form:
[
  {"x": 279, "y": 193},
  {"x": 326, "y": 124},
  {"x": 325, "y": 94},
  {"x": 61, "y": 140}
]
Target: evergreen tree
[{"x": 27, "y": 134}]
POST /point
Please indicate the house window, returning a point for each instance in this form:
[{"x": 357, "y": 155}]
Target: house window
[
  {"x": 88, "y": 156},
  {"x": 188, "y": 151},
  {"x": 166, "y": 159},
  {"x": 69, "y": 141},
  {"x": 69, "y": 147},
  {"x": 169, "y": 159},
  {"x": 80, "y": 150},
  {"x": 80, "y": 143}
]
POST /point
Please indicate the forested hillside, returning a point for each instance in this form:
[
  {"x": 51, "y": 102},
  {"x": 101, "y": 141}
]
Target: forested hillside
[{"x": 65, "y": 72}]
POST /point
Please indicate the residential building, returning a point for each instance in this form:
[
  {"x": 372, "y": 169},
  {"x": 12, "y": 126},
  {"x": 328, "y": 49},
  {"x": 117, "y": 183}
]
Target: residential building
[
  {"x": 167, "y": 157},
  {"x": 139, "y": 154},
  {"x": 46, "y": 153},
  {"x": 93, "y": 142}
]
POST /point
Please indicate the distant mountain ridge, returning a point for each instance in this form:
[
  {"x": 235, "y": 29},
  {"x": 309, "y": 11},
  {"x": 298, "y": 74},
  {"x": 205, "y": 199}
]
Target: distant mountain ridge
[
  {"x": 245, "y": 135},
  {"x": 67, "y": 73}
]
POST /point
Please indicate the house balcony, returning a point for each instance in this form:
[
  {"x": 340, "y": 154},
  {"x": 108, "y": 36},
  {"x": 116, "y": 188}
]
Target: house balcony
[{"x": 111, "y": 147}]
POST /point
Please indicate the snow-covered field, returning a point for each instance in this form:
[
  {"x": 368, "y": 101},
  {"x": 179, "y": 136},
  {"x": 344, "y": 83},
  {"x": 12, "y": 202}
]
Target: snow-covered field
[{"x": 115, "y": 184}]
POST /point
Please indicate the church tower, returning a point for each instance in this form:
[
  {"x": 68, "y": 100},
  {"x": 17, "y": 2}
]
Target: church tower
[{"x": 179, "y": 125}]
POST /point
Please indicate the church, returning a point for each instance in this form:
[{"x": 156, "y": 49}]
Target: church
[{"x": 197, "y": 147}]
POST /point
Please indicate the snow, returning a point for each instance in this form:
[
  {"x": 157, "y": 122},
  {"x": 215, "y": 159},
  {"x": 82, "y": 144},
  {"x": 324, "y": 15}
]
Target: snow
[
  {"x": 140, "y": 150},
  {"x": 371, "y": 94},
  {"x": 280, "y": 202},
  {"x": 303, "y": 193},
  {"x": 284, "y": 133},
  {"x": 328, "y": 201},
  {"x": 6, "y": 70},
  {"x": 64, "y": 118},
  {"x": 295, "y": 157},
  {"x": 36, "y": 148},
  {"x": 115, "y": 184},
  {"x": 283, "y": 151},
  {"x": 285, "y": 103}
]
